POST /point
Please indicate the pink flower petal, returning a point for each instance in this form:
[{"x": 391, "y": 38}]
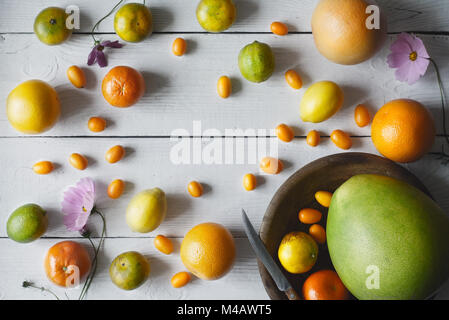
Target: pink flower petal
[
  {"x": 78, "y": 203},
  {"x": 402, "y": 72},
  {"x": 86, "y": 184},
  {"x": 401, "y": 46},
  {"x": 396, "y": 60},
  {"x": 421, "y": 65},
  {"x": 422, "y": 51},
  {"x": 410, "y": 73},
  {"x": 92, "y": 58},
  {"x": 408, "y": 70}
]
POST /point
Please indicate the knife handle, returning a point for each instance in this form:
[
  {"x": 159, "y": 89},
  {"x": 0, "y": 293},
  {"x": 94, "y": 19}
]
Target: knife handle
[{"x": 292, "y": 294}]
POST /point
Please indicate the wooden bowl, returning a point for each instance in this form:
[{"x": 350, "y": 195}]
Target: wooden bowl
[{"x": 298, "y": 192}]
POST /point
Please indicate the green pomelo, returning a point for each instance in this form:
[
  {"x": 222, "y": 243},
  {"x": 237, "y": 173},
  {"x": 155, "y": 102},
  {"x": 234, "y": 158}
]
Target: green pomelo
[{"x": 387, "y": 239}]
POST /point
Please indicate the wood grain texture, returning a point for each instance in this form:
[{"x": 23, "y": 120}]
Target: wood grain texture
[
  {"x": 182, "y": 90},
  {"x": 173, "y": 101},
  {"x": 148, "y": 164},
  {"x": 243, "y": 282},
  {"x": 252, "y": 15}
]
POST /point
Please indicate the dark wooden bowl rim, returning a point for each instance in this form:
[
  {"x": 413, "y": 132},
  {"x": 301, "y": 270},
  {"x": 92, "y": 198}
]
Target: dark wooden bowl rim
[{"x": 358, "y": 162}]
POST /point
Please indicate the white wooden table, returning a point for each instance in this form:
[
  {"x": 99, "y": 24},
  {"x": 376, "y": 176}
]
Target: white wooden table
[{"x": 180, "y": 91}]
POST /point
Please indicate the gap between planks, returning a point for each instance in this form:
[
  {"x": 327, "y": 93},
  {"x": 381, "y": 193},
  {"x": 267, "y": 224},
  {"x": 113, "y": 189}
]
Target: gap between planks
[{"x": 435, "y": 33}]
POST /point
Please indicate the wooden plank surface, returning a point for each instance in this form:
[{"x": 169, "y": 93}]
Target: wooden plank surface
[
  {"x": 174, "y": 101},
  {"x": 150, "y": 163},
  {"x": 221, "y": 203},
  {"x": 242, "y": 283},
  {"x": 252, "y": 15},
  {"x": 182, "y": 90}
]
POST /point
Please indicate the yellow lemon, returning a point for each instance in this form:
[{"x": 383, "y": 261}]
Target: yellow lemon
[
  {"x": 298, "y": 252},
  {"x": 146, "y": 210},
  {"x": 33, "y": 107},
  {"x": 321, "y": 101}
]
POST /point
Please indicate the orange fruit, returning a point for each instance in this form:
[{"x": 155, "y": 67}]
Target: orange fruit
[
  {"x": 340, "y": 31},
  {"x": 123, "y": 86},
  {"x": 279, "y": 28},
  {"x": 180, "y": 279},
  {"x": 208, "y": 251},
  {"x": 403, "y": 130},
  {"x": 62, "y": 258},
  {"x": 324, "y": 285},
  {"x": 76, "y": 76}
]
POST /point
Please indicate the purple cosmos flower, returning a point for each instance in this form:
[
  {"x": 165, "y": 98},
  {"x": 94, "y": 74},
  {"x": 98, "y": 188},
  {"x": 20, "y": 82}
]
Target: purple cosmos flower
[
  {"x": 97, "y": 54},
  {"x": 78, "y": 204},
  {"x": 409, "y": 56}
]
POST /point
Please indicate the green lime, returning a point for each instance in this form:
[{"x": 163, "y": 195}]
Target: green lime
[
  {"x": 133, "y": 22},
  {"x": 216, "y": 15},
  {"x": 256, "y": 62},
  {"x": 129, "y": 270},
  {"x": 27, "y": 223},
  {"x": 50, "y": 26}
]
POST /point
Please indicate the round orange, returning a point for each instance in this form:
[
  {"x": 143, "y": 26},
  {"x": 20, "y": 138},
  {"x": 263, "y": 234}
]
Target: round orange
[
  {"x": 403, "y": 130},
  {"x": 208, "y": 251},
  {"x": 324, "y": 285},
  {"x": 61, "y": 260},
  {"x": 123, "y": 86}
]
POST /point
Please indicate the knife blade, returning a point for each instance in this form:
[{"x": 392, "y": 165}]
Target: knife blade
[{"x": 264, "y": 256}]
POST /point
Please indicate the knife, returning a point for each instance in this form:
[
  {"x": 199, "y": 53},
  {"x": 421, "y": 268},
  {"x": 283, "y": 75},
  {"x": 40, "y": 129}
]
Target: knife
[{"x": 263, "y": 255}]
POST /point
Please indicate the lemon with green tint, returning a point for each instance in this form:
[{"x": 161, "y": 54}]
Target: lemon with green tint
[
  {"x": 321, "y": 101},
  {"x": 27, "y": 223},
  {"x": 133, "y": 22},
  {"x": 216, "y": 15},
  {"x": 256, "y": 62},
  {"x": 298, "y": 252}
]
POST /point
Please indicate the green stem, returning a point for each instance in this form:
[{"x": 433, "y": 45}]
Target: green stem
[
  {"x": 27, "y": 284},
  {"x": 101, "y": 20},
  {"x": 95, "y": 260},
  {"x": 443, "y": 99}
]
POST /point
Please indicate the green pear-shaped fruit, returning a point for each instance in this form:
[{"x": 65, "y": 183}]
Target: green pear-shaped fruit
[{"x": 146, "y": 210}]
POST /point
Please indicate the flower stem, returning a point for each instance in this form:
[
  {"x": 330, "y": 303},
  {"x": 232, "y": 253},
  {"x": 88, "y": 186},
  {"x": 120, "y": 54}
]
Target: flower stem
[
  {"x": 101, "y": 20},
  {"x": 443, "y": 99},
  {"x": 28, "y": 284},
  {"x": 95, "y": 260}
]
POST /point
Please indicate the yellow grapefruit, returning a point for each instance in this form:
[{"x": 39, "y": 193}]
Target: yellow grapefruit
[
  {"x": 33, "y": 107},
  {"x": 208, "y": 251},
  {"x": 340, "y": 31}
]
